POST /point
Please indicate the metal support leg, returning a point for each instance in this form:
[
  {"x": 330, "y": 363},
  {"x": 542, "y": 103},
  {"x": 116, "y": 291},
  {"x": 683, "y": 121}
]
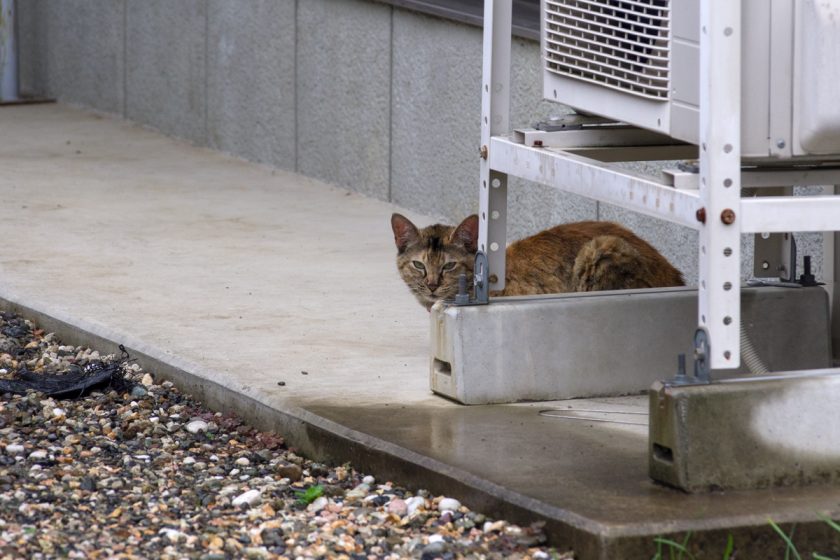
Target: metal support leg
[
  {"x": 495, "y": 119},
  {"x": 720, "y": 180},
  {"x": 830, "y": 275}
]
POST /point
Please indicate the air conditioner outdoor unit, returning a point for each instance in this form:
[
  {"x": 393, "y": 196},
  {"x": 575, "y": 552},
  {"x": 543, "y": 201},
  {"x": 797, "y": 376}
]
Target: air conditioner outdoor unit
[{"x": 637, "y": 61}]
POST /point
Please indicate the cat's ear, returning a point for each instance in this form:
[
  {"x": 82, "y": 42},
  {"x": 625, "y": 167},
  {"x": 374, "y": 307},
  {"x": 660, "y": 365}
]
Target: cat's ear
[
  {"x": 404, "y": 231},
  {"x": 466, "y": 234}
]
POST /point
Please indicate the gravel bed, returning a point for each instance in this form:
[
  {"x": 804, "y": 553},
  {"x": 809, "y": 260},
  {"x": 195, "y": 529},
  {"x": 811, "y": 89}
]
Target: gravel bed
[{"x": 146, "y": 472}]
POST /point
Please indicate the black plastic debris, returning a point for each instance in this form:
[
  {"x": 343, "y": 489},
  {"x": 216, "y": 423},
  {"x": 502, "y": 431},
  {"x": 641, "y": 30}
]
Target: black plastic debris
[{"x": 73, "y": 383}]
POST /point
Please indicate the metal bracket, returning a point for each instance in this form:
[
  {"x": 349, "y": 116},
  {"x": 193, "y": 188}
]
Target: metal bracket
[
  {"x": 702, "y": 352},
  {"x": 480, "y": 279},
  {"x": 480, "y": 284},
  {"x": 702, "y": 374}
]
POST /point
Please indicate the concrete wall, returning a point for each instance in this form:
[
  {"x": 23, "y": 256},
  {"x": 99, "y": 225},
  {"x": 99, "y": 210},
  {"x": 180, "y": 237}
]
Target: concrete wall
[{"x": 376, "y": 99}]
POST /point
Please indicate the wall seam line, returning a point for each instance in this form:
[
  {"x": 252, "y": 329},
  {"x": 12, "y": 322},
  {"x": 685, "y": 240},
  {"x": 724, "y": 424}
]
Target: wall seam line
[
  {"x": 206, "y": 69},
  {"x": 296, "y": 86},
  {"x": 391, "y": 113},
  {"x": 125, "y": 60}
]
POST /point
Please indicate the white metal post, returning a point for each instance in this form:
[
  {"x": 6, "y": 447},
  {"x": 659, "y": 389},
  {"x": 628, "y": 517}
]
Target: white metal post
[
  {"x": 495, "y": 119},
  {"x": 720, "y": 179}
]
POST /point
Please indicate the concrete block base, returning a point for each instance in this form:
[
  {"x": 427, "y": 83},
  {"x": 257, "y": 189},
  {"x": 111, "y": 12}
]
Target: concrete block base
[
  {"x": 606, "y": 343},
  {"x": 749, "y": 433}
]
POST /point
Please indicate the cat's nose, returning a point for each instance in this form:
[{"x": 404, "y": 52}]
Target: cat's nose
[{"x": 432, "y": 286}]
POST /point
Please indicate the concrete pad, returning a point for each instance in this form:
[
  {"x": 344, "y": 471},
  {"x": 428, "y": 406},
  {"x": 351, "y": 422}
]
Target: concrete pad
[
  {"x": 436, "y": 95},
  {"x": 344, "y": 81},
  {"x": 165, "y": 66},
  {"x": 250, "y": 80},
  {"x": 553, "y": 347},
  {"x": 228, "y": 277},
  {"x": 777, "y": 430}
]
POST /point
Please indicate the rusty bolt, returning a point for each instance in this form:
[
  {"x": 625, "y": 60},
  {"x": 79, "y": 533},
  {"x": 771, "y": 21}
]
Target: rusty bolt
[
  {"x": 538, "y": 143},
  {"x": 493, "y": 278},
  {"x": 727, "y": 216},
  {"x": 483, "y": 152},
  {"x": 701, "y": 215}
]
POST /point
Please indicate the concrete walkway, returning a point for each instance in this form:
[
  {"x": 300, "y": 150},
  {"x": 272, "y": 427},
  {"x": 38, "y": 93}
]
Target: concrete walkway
[{"x": 231, "y": 277}]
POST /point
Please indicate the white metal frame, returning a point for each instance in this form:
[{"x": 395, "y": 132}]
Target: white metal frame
[{"x": 714, "y": 207}]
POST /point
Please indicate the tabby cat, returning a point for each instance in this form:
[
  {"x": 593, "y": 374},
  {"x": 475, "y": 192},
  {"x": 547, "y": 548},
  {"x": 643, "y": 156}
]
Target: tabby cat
[{"x": 576, "y": 257}]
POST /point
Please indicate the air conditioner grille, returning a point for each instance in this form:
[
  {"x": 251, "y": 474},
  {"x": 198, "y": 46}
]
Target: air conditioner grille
[{"x": 621, "y": 44}]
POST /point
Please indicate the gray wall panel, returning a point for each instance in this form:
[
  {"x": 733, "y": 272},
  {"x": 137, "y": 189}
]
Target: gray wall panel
[
  {"x": 436, "y": 125},
  {"x": 436, "y": 112},
  {"x": 250, "y": 79},
  {"x": 343, "y": 81},
  {"x": 32, "y": 45},
  {"x": 83, "y": 60},
  {"x": 166, "y": 66}
]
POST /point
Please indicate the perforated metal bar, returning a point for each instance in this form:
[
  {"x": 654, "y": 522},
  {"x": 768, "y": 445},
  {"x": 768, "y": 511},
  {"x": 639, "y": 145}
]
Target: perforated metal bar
[
  {"x": 720, "y": 179},
  {"x": 495, "y": 120}
]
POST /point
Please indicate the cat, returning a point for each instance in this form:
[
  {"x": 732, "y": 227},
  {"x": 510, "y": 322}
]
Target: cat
[{"x": 575, "y": 257}]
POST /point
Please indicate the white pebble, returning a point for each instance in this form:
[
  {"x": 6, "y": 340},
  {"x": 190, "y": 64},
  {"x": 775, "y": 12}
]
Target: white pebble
[
  {"x": 490, "y": 526},
  {"x": 243, "y": 462},
  {"x": 318, "y": 504},
  {"x": 195, "y": 426},
  {"x": 449, "y": 504},
  {"x": 435, "y": 538},
  {"x": 251, "y": 497},
  {"x": 173, "y": 535},
  {"x": 369, "y": 480},
  {"x": 213, "y": 458},
  {"x": 58, "y": 412},
  {"x": 14, "y": 449},
  {"x": 234, "y": 472},
  {"x": 189, "y": 460},
  {"x": 228, "y": 490},
  {"x": 147, "y": 380},
  {"x": 413, "y": 504},
  {"x": 38, "y": 454}
]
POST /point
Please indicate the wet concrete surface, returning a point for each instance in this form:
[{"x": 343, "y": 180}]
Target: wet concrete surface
[{"x": 229, "y": 278}]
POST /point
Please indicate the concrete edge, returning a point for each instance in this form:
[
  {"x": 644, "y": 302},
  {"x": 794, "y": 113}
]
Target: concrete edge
[
  {"x": 326, "y": 441},
  {"x": 317, "y": 437}
]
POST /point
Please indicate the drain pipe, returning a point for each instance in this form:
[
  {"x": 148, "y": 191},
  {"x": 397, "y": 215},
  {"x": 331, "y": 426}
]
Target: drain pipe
[{"x": 8, "y": 52}]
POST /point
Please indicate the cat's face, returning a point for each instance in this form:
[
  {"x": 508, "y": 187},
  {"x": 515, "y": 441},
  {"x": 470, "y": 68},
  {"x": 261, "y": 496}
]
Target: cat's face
[{"x": 431, "y": 259}]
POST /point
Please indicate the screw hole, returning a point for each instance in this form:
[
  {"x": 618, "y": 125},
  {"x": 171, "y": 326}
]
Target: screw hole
[
  {"x": 727, "y": 286},
  {"x": 727, "y": 183},
  {"x": 727, "y": 354},
  {"x": 727, "y": 320},
  {"x": 496, "y": 183},
  {"x": 727, "y": 252},
  {"x": 494, "y": 246},
  {"x": 727, "y": 148},
  {"x": 494, "y": 215}
]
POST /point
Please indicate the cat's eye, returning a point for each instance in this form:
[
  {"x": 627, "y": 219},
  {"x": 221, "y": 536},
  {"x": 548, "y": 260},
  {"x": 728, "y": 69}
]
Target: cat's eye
[
  {"x": 450, "y": 265},
  {"x": 418, "y": 265}
]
